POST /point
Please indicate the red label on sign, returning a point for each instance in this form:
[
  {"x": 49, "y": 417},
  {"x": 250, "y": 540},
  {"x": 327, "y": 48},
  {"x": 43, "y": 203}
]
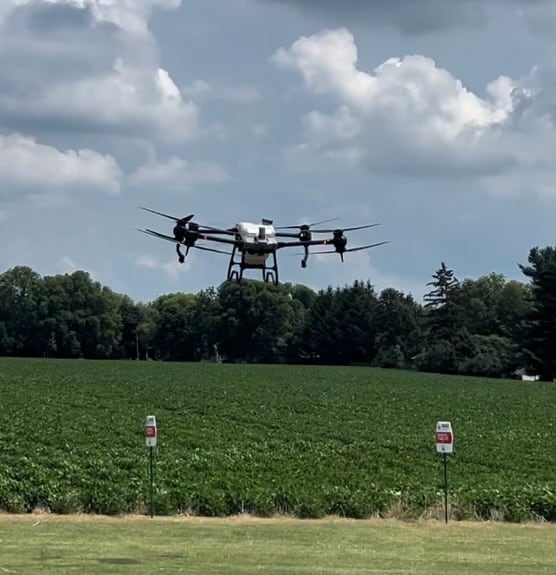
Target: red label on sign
[
  {"x": 443, "y": 437},
  {"x": 150, "y": 431}
]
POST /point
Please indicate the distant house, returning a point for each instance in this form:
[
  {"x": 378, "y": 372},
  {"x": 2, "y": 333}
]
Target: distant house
[{"x": 524, "y": 376}]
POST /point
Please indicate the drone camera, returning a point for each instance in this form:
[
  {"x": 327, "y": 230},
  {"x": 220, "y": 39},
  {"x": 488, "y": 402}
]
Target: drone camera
[{"x": 262, "y": 233}]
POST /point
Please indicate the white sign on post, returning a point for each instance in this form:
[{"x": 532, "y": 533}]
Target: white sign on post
[
  {"x": 444, "y": 437},
  {"x": 150, "y": 431}
]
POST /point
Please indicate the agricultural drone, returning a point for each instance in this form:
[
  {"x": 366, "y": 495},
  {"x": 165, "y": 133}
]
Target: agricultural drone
[{"x": 252, "y": 245}]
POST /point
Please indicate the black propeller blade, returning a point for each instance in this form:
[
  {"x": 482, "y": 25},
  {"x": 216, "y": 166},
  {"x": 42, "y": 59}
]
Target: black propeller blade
[
  {"x": 350, "y": 249},
  {"x": 178, "y": 220},
  {"x": 173, "y": 240},
  {"x": 211, "y": 250},
  {"x": 212, "y": 230},
  {"x": 159, "y": 235},
  {"x": 331, "y": 231},
  {"x": 301, "y": 226}
]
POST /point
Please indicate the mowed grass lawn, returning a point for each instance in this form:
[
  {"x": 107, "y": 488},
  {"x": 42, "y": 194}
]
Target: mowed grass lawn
[{"x": 91, "y": 545}]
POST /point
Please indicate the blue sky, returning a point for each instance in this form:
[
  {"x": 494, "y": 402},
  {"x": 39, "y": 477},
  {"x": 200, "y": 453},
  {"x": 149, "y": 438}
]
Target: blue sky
[{"x": 438, "y": 122}]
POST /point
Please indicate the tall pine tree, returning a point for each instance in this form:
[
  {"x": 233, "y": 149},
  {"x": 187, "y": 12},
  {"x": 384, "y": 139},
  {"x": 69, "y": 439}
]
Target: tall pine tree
[
  {"x": 447, "y": 343},
  {"x": 443, "y": 315},
  {"x": 540, "y": 335}
]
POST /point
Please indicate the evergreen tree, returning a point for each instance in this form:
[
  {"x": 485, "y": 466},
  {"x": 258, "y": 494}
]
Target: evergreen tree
[
  {"x": 540, "y": 335},
  {"x": 447, "y": 341}
]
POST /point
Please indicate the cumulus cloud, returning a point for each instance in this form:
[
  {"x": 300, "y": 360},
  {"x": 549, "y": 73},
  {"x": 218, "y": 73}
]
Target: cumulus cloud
[
  {"x": 34, "y": 170},
  {"x": 96, "y": 73},
  {"x": 239, "y": 94},
  {"x": 177, "y": 174},
  {"x": 131, "y": 15},
  {"x": 125, "y": 100},
  {"x": 415, "y": 17},
  {"x": 412, "y": 117},
  {"x": 67, "y": 266},
  {"x": 359, "y": 265},
  {"x": 170, "y": 268}
]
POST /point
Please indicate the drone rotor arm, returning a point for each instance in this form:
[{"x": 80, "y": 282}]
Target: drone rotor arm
[
  {"x": 286, "y": 235},
  {"x": 212, "y": 230},
  {"x": 210, "y": 238}
]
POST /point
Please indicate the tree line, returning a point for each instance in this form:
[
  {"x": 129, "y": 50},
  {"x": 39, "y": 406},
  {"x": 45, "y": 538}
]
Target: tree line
[{"x": 488, "y": 326}]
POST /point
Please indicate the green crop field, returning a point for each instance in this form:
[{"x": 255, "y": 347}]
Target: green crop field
[{"x": 300, "y": 440}]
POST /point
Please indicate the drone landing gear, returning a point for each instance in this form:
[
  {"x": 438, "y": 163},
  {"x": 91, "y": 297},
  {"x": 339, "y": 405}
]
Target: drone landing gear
[
  {"x": 270, "y": 273},
  {"x": 181, "y": 256},
  {"x": 305, "y": 257},
  {"x": 271, "y": 276}
]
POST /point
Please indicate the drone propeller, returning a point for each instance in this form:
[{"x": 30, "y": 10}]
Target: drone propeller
[
  {"x": 158, "y": 235},
  {"x": 173, "y": 240},
  {"x": 331, "y": 231},
  {"x": 306, "y": 226},
  {"x": 350, "y": 249},
  {"x": 213, "y": 230},
  {"x": 178, "y": 220},
  {"x": 211, "y": 250}
]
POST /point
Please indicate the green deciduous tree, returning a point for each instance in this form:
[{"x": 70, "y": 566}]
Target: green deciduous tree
[
  {"x": 21, "y": 307},
  {"x": 80, "y": 317},
  {"x": 175, "y": 335},
  {"x": 257, "y": 321},
  {"x": 340, "y": 326},
  {"x": 398, "y": 321}
]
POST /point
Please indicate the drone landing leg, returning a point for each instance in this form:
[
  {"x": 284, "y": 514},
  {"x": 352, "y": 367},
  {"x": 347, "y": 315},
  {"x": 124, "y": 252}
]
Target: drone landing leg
[
  {"x": 181, "y": 257},
  {"x": 271, "y": 273},
  {"x": 305, "y": 257},
  {"x": 232, "y": 274}
]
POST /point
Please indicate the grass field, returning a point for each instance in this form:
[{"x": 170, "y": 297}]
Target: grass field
[
  {"x": 84, "y": 546},
  {"x": 306, "y": 441}
]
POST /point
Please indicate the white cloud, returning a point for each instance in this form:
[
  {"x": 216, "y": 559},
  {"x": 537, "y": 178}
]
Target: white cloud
[
  {"x": 236, "y": 93},
  {"x": 409, "y": 116},
  {"x": 131, "y": 15},
  {"x": 357, "y": 265},
  {"x": 175, "y": 174},
  {"x": 426, "y": 16},
  {"x": 87, "y": 77},
  {"x": 67, "y": 266},
  {"x": 33, "y": 169},
  {"x": 126, "y": 99},
  {"x": 171, "y": 268}
]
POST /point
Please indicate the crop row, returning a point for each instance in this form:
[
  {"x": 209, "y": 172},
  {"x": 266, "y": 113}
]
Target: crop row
[{"x": 306, "y": 441}]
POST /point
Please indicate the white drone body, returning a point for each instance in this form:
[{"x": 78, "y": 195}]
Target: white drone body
[{"x": 259, "y": 241}]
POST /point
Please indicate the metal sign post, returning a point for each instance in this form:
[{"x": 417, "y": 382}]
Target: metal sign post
[
  {"x": 150, "y": 438},
  {"x": 444, "y": 439}
]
